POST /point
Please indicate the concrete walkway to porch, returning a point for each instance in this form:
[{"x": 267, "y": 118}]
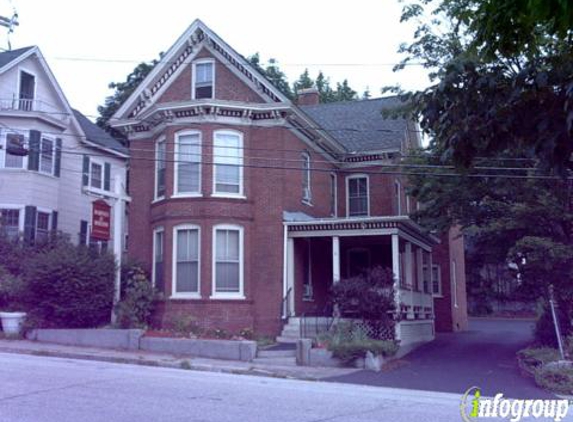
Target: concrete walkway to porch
[{"x": 484, "y": 356}]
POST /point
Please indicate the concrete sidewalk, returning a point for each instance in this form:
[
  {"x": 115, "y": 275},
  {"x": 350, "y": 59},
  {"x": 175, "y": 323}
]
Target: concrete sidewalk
[{"x": 171, "y": 361}]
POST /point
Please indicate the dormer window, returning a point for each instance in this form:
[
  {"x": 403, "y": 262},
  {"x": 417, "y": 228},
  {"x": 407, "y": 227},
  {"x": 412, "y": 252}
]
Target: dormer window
[{"x": 203, "y": 79}]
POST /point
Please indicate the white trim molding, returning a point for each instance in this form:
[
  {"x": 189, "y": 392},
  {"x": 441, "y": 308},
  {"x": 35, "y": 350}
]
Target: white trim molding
[
  {"x": 176, "y": 192},
  {"x": 240, "y": 294},
  {"x": 174, "y": 293},
  {"x": 239, "y": 158},
  {"x": 352, "y": 177}
]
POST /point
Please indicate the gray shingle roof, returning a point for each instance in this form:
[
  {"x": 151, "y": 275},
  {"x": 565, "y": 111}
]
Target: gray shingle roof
[
  {"x": 7, "y": 56},
  {"x": 359, "y": 125},
  {"x": 97, "y": 135}
]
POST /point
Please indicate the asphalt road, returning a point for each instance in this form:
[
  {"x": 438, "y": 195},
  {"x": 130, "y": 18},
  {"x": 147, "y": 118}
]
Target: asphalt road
[
  {"x": 42, "y": 389},
  {"x": 483, "y": 356}
]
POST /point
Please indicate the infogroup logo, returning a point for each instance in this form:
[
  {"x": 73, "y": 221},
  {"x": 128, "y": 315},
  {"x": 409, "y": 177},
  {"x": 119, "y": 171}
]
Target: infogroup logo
[{"x": 475, "y": 407}]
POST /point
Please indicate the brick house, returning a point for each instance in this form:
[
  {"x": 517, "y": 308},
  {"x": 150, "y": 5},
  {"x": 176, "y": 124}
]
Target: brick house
[
  {"x": 246, "y": 207},
  {"x": 54, "y": 162}
]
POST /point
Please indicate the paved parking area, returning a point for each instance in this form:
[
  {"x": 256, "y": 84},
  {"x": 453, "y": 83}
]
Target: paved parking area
[{"x": 483, "y": 356}]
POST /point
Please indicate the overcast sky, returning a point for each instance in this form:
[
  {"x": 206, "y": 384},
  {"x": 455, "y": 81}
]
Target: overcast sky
[{"x": 89, "y": 44}]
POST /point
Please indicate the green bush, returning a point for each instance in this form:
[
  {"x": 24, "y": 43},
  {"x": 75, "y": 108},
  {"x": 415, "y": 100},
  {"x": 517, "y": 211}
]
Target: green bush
[
  {"x": 136, "y": 305},
  {"x": 350, "y": 351},
  {"x": 544, "y": 331},
  {"x": 12, "y": 292},
  {"x": 532, "y": 359},
  {"x": 70, "y": 286},
  {"x": 556, "y": 379}
]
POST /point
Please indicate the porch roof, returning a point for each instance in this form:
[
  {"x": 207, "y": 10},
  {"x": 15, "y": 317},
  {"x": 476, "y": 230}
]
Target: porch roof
[{"x": 301, "y": 225}]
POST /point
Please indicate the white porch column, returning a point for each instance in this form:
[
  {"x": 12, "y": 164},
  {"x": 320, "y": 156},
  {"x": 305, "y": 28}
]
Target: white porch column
[
  {"x": 408, "y": 297},
  {"x": 290, "y": 275},
  {"x": 118, "y": 217},
  {"x": 335, "y": 259},
  {"x": 396, "y": 271}
]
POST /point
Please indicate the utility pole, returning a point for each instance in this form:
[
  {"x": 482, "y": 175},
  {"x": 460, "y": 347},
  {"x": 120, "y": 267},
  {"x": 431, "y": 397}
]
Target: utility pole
[{"x": 10, "y": 23}]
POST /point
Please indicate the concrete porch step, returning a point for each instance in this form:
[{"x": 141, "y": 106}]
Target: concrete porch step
[
  {"x": 283, "y": 339},
  {"x": 276, "y": 353},
  {"x": 278, "y": 361}
]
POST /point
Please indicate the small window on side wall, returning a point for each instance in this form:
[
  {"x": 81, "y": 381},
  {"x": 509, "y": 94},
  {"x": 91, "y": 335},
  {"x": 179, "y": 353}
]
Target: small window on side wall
[
  {"x": 203, "y": 79},
  {"x": 306, "y": 184}
]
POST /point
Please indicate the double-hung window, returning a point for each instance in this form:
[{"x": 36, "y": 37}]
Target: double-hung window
[
  {"x": 357, "y": 196},
  {"x": 188, "y": 164},
  {"x": 158, "y": 246},
  {"x": 228, "y": 163},
  {"x": 10, "y": 222},
  {"x": 14, "y": 143},
  {"x": 47, "y": 156},
  {"x": 306, "y": 192},
  {"x": 186, "y": 261},
  {"x": 228, "y": 261},
  {"x": 160, "y": 165},
  {"x": 42, "y": 226},
  {"x": 203, "y": 79},
  {"x": 96, "y": 175}
]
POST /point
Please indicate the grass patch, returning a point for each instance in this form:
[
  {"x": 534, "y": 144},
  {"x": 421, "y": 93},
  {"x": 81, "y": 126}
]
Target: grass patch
[
  {"x": 185, "y": 364},
  {"x": 556, "y": 379},
  {"x": 532, "y": 359}
]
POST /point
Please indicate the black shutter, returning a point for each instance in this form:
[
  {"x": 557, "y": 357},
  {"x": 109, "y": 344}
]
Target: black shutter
[
  {"x": 29, "y": 224},
  {"x": 58, "y": 160},
  {"x": 34, "y": 153},
  {"x": 83, "y": 232},
  {"x": 86, "y": 171},
  {"x": 106, "y": 176},
  {"x": 54, "y": 220}
]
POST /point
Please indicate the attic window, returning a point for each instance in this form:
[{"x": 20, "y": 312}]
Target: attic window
[{"x": 203, "y": 79}]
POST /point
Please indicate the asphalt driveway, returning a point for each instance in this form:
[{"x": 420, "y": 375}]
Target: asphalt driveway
[{"x": 483, "y": 356}]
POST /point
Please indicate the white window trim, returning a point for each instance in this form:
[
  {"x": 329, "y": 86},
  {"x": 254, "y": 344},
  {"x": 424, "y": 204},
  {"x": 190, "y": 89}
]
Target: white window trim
[
  {"x": 4, "y": 149},
  {"x": 307, "y": 195},
  {"x": 439, "y": 272},
  {"x": 157, "y": 230},
  {"x": 28, "y": 71},
  {"x": 357, "y": 176},
  {"x": 398, "y": 197},
  {"x": 174, "y": 293},
  {"x": 240, "y": 295},
  {"x": 335, "y": 191},
  {"x": 194, "y": 76},
  {"x": 99, "y": 163},
  {"x": 241, "y": 193},
  {"x": 454, "y": 284},
  {"x": 176, "y": 193},
  {"x": 52, "y": 170},
  {"x": 21, "y": 209},
  {"x": 155, "y": 185},
  {"x": 43, "y": 211}
]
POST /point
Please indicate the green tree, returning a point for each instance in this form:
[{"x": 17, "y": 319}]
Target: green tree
[
  {"x": 304, "y": 81},
  {"x": 273, "y": 73},
  {"x": 122, "y": 92},
  {"x": 344, "y": 92},
  {"x": 501, "y": 96}
]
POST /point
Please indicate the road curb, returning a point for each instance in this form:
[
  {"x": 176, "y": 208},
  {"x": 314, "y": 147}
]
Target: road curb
[{"x": 178, "y": 363}]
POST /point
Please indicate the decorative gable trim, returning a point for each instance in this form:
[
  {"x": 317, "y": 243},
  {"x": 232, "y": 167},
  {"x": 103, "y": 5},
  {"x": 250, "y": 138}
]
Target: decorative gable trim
[{"x": 182, "y": 52}]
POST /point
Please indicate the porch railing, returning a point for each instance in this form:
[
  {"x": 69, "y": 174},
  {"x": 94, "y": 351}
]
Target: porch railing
[{"x": 311, "y": 326}]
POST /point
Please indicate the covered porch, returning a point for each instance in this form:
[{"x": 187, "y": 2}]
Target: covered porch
[{"x": 319, "y": 253}]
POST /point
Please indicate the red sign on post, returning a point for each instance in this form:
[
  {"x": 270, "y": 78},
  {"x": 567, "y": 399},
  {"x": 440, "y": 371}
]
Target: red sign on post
[{"x": 101, "y": 218}]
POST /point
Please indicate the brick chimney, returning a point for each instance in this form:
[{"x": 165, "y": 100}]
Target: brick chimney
[{"x": 308, "y": 96}]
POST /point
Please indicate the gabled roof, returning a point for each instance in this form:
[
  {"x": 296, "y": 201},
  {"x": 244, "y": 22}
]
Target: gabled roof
[
  {"x": 197, "y": 36},
  {"x": 359, "y": 125},
  {"x": 8, "y": 56},
  {"x": 97, "y": 135}
]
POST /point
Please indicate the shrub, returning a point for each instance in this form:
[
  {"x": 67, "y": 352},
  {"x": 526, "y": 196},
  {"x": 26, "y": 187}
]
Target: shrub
[
  {"x": 544, "y": 331},
  {"x": 71, "y": 286},
  {"x": 558, "y": 379},
  {"x": 531, "y": 359},
  {"x": 350, "y": 351},
  {"x": 183, "y": 325},
  {"x": 369, "y": 296},
  {"x": 136, "y": 306},
  {"x": 247, "y": 333},
  {"x": 12, "y": 292}
]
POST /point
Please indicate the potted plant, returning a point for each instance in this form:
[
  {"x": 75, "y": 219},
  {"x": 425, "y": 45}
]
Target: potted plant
[{"x": 12, "y": 307}]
